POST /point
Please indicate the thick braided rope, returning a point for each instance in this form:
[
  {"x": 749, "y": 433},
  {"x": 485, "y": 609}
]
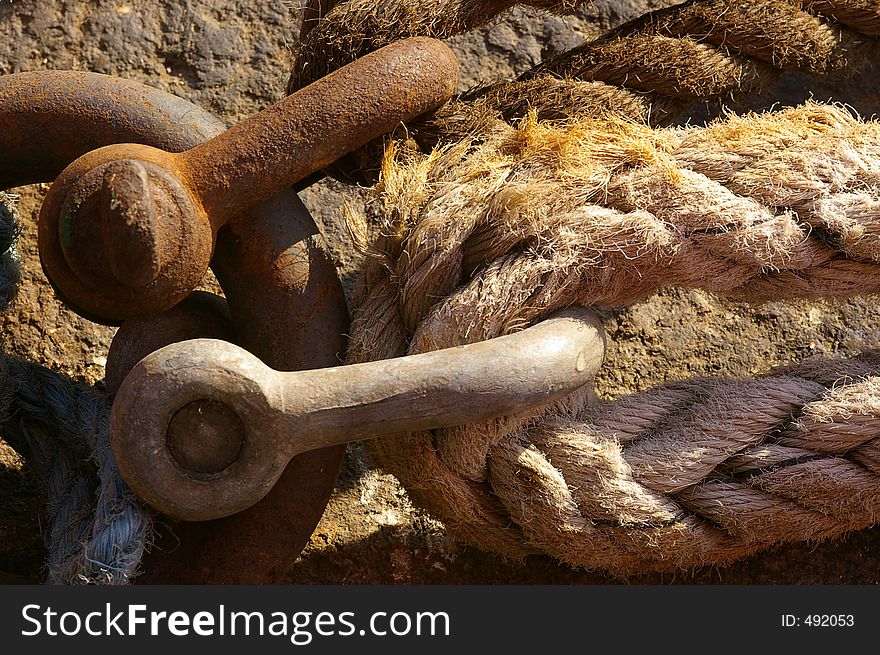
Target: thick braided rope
[
  {"x": 98, "y": 529},
  {"x": 481, "y": 240},
  {"x": 648, "y": 69},
  {"x": 705, "y": 49},
  {"x": 335, "y": 33}
]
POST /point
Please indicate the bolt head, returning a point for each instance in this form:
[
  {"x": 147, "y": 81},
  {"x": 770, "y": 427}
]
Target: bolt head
[{"x": 121, "y": 236}]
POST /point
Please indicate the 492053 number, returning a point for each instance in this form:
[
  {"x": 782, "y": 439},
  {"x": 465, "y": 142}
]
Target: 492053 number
[{"x": 819, "y": 620}]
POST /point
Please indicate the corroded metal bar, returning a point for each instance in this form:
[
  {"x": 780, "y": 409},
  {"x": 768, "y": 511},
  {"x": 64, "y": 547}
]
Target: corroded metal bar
[
  {"x": 159, "y": 212},
  {"x": 50, "y": 118},
  {"x": 203, "y": 429},
  {"x": 320, "y": 123}
]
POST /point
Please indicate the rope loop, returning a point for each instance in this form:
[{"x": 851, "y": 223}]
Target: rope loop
[{"x": 516, "y": 213}]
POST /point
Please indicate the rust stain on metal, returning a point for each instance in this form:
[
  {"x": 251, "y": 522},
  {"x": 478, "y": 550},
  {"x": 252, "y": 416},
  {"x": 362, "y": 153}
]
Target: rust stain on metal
[
  {"x": 320, "y": 123},
  {"x": 203, "y": 188},
  {"x": 131, "y": 224},
  {"x": 75, "y": 239},
  {"x": 293, "y": 317},
  {"x": 199, "y": 315},
  {"x": 205, "y": 437},
  {"x": 289, "y": 309},
  {"x": 48, "y": 120}
]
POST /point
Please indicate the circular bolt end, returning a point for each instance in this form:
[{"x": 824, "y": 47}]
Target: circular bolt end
[
  {"x": 205, "y": 437},
  {"x": 121, "y": 236}
]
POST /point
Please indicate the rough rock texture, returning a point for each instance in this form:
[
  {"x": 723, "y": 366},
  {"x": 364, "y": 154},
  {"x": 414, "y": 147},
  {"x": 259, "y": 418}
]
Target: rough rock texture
[{"x": 231, "y": 56}]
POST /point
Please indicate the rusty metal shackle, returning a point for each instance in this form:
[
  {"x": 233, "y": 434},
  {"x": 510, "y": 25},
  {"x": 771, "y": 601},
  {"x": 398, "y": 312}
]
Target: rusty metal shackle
[
  {"x": 129, "y": 230},
  {"x": 285, "y": 300},
  {"x": 202, "y": 429}
]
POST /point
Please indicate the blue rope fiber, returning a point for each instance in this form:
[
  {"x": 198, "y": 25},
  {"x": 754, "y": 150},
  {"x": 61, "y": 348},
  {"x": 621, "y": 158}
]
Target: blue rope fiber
[
  {"x": 98, "y": 530},
  {"x": 9, "y": 274}
]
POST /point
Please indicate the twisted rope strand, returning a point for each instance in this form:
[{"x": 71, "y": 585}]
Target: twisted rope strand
[
  {"x": 481, "y": 240},
  {"x": 9, "y": 271},
  {"x": 336, "y": 33},
  {"x": 648, "y": 69},
  {"x": 99, "y": 530}
]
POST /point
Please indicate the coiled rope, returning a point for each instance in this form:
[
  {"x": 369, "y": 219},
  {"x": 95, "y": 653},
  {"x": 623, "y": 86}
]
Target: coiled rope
[
  {"x": 486, "y": 240},
  {"x": 504, "y": 224},
  {"x": 9, "y": 273}
]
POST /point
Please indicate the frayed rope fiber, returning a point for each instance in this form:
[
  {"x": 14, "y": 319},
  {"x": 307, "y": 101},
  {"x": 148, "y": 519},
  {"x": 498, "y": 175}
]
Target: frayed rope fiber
[
  {"x": 335, "y": 33},
  {"x": 98, "y": 530},
  {"x": 649, "y": 69},
  {"x": 482, "y": 239}
]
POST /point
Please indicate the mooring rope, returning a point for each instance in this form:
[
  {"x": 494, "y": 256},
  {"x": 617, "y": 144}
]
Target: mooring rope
[
  {"x": 484, "y": 240},
  {"x": 9, "y": 273},
  {"x": 649, "y": 69},
  {"x": 335, "y": 33},
  {"x": 97, "y": 529},
  {"x": 516, "y": 215}
]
